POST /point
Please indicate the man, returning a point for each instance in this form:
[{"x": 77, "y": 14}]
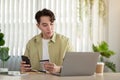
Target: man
[{"x": 47, "y": 45}]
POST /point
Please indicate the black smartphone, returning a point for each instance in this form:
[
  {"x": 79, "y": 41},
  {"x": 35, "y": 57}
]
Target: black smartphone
[{"x": 26, "y": 59}]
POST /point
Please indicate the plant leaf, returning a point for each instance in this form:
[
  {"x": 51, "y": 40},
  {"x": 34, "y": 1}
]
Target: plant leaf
[
  {"x": 4, "y": 53},
  {"x": 103, "y": 46},
  {"x": 95, "y": 49},
  {"x": 7, "y": 58},
  {"x": 2, "y": 41},
  {"x": 111, "y": 65},
  {"x": 1, "y": 35}
]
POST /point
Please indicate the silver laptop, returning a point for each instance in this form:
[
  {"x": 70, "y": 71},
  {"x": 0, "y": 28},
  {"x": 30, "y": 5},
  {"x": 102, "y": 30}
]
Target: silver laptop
[{"x": 79, "y": 64}]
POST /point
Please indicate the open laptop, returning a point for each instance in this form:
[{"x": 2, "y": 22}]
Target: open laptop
[{"x": 79, "y": 64}]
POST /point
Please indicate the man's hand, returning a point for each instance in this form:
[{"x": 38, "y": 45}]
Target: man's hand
[
  {"x": 51, "y": 67},
  {"x": 24, "y": 67}
]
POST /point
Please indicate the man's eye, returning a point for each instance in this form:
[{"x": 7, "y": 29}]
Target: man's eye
[{"x": 45, "y": 25}]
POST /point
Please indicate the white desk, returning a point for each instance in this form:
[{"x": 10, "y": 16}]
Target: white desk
[{"x": 43, "y": 76}]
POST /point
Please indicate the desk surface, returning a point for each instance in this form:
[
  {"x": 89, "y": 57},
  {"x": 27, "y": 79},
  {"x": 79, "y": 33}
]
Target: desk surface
[{"x": 43, "y": 76}]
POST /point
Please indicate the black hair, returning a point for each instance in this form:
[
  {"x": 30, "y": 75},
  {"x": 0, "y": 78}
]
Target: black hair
[{"x": 44, "y": 12}]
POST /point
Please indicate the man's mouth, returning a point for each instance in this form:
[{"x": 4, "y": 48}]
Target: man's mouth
[{"x": 49, "y": 32}]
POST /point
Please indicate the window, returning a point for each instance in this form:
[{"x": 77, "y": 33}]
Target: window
[{"x": 77, "y": 19}]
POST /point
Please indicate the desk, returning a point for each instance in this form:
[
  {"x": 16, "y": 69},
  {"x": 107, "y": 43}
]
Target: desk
[{"x": 43, "y": 76}]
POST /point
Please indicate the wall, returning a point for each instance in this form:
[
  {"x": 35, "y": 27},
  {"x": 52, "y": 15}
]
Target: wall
[{"x": 114, "y": 30}]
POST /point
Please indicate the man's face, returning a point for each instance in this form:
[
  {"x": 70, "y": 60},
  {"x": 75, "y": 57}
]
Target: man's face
[{"x": 46, "y": 26}]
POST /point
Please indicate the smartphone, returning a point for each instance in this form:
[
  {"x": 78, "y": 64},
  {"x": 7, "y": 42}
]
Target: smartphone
[{"x": 26, "y": 59}]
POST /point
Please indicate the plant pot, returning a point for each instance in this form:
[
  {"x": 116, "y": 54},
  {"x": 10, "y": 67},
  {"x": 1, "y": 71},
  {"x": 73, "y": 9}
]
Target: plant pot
[{"x": 3, "y": 70}]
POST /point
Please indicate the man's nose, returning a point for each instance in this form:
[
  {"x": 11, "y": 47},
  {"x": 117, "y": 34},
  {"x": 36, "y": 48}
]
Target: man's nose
[{"x": 49, "y": 27}]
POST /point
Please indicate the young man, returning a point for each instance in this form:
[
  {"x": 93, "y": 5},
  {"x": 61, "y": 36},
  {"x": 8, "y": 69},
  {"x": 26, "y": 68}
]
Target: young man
[{"x": 47, "y": 45}]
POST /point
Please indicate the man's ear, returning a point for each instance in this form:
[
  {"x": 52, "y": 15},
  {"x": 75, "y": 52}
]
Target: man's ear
[{"x": 38, "y": 25}]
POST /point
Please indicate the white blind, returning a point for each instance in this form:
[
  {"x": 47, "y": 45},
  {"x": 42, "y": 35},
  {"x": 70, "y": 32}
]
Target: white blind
[{"x": 18, "y": 24}]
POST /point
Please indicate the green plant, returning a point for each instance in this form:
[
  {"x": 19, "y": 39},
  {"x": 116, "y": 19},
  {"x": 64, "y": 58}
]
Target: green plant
[
  {"x": 3, "y": 50},
  {"x": 103, "y": 48}
]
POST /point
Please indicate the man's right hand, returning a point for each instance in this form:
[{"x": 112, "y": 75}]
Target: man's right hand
[{"x": 24, "y": 67}]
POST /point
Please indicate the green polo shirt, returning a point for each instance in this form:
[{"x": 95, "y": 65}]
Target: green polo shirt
[{"x": 57, "y": 47}]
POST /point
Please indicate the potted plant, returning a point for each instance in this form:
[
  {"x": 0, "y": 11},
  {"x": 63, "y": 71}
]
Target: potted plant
[
  {"x": 3, "y": 54},
  {"x": 105, "y": 53}
]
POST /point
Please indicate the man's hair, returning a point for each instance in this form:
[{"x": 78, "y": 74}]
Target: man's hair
[{"x": 44, "y": 12}]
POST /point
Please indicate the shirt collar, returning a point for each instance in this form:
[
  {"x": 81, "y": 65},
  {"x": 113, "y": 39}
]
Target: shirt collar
[
  {"x": 53, "y": 38},
  {"x": 39, "y": 37}
]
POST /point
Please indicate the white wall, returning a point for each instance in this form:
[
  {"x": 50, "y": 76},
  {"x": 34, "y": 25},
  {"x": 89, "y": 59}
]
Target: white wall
[{"x": 114, "y": 30}]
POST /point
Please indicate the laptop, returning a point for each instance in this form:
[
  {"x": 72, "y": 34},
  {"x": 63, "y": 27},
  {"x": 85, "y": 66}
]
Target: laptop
[{"x": 79, "y": 64}]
